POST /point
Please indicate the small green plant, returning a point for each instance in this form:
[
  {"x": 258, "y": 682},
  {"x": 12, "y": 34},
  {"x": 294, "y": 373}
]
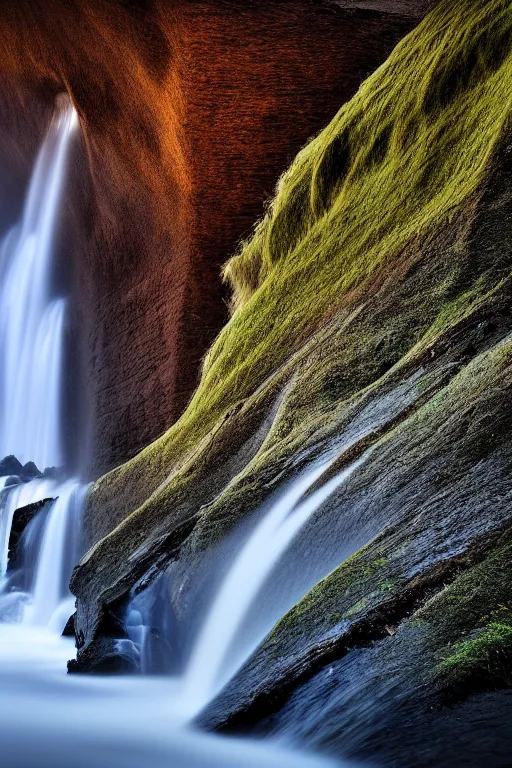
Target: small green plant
[{"x": 484, "y": 661}]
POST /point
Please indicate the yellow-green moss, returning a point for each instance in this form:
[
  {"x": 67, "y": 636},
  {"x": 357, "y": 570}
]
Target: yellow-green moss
[
  {"x": 471, "y": 622},
  {"x": 394, "y": 163},
  {"x": 394, "y": 166},
  {"x": 488, "y": 655},
  {"x": 332, "y": 599}
]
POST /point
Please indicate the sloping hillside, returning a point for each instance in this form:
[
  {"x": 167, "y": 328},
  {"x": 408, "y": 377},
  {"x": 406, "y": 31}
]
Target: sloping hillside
[{"x": 372, "y": 312}]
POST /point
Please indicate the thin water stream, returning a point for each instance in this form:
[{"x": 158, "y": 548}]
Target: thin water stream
[{"x": 31, "y": 318}]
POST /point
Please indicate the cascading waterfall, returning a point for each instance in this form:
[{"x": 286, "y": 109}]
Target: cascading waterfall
[
  {"x": 53, "y": 567},
  {"x": 120, "y": 723},
  {"x": 218, "y": 651},
  {"x": 208, "y": 671},
  {"x": 32, "y": 324},
  {"x": 31, "y": 321}
]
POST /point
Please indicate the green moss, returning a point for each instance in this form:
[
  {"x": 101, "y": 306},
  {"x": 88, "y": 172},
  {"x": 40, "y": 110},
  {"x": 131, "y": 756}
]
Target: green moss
[
  {"x": 353, "y": 610},
  {"x": 362, "y": 207},
  {"x": 396, "y": 162},
  {"x": 484, "y": 661},
  {"x": 358, "y": 194},
  {"x": 471, "y": 623},
  {"x": 341, "y": 595}
]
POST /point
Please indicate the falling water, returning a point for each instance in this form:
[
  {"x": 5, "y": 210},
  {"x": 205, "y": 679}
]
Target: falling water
[
  {"x": 20, "y": 496},
  {"x": 59, "y": 548},
  {"x": 31, "y": 355},
  {"x": 207, "y": 671},
  {"x": 31, "y": 322},
  {"x": 46, "y": 718}
]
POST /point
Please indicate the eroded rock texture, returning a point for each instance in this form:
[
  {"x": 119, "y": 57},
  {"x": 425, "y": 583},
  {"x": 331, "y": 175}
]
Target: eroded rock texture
[
  {"x": 378, "y": 289},
  {"x": 190, "y": 112}
]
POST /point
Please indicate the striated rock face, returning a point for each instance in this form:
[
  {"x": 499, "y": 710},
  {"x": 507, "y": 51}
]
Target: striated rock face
[
  {"x": 190, "y": 112},
  {"x": 372, "y": 319}
]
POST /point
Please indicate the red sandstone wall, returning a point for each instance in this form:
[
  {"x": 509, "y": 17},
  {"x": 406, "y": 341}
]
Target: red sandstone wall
[
  {"x": 24, "y": 116},
  {"x": 190, "y": 111}
]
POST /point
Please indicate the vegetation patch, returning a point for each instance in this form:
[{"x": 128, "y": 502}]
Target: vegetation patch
[
  {"x": 370, "y": 257},
  {"x": 484, "y": 662},
  {"x": 395, "y": 164},
  {"x": 471, "y": 621},
  {"x": 341, "y": 595}
]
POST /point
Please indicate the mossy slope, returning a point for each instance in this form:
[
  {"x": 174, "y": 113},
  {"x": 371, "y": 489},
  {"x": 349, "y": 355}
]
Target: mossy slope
[
  {"x": 436, "y": 491},
  {"x": 472, "y": 622},
  {"x": 391, "y": 168},
  {"x": 386, "y": 248}
]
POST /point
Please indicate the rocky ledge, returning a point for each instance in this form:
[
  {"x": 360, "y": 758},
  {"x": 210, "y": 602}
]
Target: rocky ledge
[{"x": 372, "y": 316}]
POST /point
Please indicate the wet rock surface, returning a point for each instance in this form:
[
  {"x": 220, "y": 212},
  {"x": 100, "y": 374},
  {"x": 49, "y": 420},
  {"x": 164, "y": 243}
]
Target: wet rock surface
[
  {"x": 10, "y": 466},
  {"x": 20, "y": 521},
  {"x": 17, "y": 473},
  {"x": 396, "y": 646}
]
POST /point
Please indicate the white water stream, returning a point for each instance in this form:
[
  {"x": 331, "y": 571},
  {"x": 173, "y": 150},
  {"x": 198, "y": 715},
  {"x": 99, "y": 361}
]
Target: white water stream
[
  {"x": 48, "y": 718},
  {"x": 31, "y": 320},
  {"x": 31, "y": 354},
  {"x": 208, "y": 670}
]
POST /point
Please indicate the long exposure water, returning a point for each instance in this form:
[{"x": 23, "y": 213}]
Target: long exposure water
[
  {"x": 49, "y": 718},
  {"x": 31, "y": 320},
  {"x": 207, "y": 671}
]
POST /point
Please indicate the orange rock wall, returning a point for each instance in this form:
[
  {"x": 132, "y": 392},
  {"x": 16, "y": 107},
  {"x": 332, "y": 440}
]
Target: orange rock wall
[{"x": 190, "y": 111}]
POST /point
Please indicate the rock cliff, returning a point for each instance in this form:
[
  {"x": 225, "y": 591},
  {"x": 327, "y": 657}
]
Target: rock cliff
[
  {"x": 371, "y": 316},
  {"x": 190, "y": 111}
]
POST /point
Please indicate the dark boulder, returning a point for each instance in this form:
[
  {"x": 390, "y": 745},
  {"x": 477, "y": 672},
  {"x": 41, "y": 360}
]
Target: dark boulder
[
  {"x": 10, "y": 466},
  {"x": 12, "y": 480},
  {"x": 29, "y": 472},
  {"x": 69, "y": 629},
  {"x": 21, "y": 519},
  {"x": 54, "y": 473}
]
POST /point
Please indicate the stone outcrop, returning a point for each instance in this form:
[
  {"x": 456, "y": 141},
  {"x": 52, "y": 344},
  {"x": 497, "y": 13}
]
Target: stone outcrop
[
  {"x": 372, "y": 313},
  {"x": 190, "y": 111},
  {"x": 372, "y": 317},
  {"x": 21, "y": 520}
]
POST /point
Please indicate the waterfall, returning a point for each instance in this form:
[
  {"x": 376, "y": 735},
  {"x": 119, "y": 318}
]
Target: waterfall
[
  {"x": 32, "y": 324},
  {"x": 46, "y": 717},
  {"x": 50, "y": 583},
  {"x": 231, "y": 631},
  {"x": 208, "y": 671}
]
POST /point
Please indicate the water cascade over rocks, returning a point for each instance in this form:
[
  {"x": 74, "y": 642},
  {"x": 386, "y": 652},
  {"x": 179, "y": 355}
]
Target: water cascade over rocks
[
  {"x": 32, "y": 324},
  {"x": 209, "y": 668},
  {"x": 126, "y": 721}
]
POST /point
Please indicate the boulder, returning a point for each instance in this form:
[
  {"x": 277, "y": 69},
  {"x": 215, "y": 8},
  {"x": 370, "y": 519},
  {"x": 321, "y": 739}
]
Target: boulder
[
  {"x": 21, "y": 519},
  {"x": 12, "y": 480},
  {"x": 10, "y": 466},
  {"x": 30, "y": 472}
]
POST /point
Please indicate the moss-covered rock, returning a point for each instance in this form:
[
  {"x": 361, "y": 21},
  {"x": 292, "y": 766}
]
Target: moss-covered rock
[
  {"x": 372, "y": 317},
  {"x": 472, "y": 620},
  {"x": 352, "y": 218}
]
